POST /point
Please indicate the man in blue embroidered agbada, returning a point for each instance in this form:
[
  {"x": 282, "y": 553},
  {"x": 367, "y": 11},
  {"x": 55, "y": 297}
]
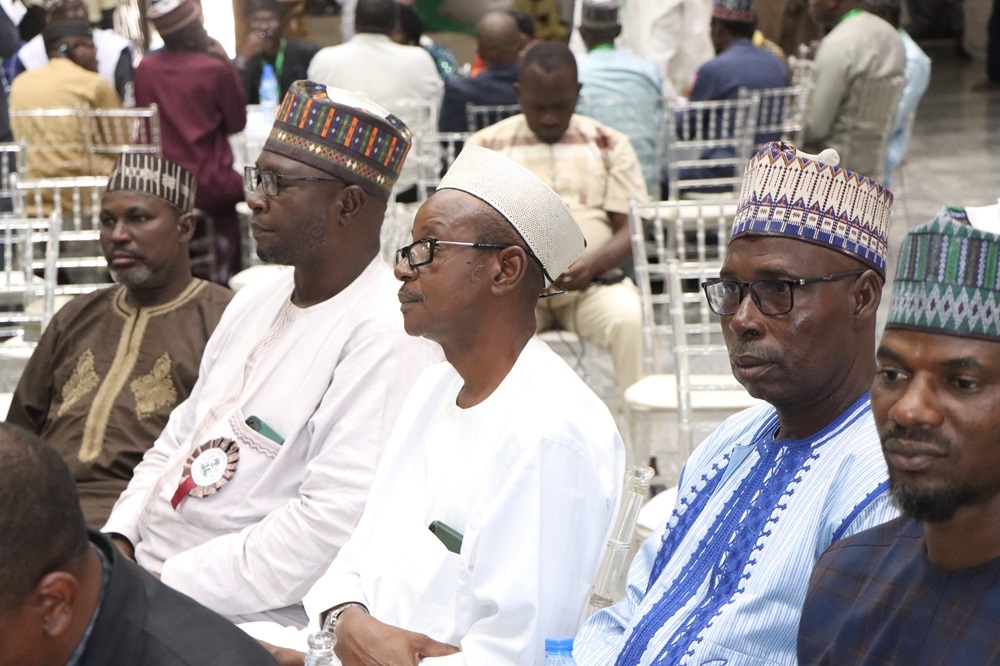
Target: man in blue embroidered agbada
[
  {"x": 925, "y": 588},
  {"x": 723, "y": 580}
]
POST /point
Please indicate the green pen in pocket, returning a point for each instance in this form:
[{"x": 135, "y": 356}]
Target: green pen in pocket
[{"x": 258, "y": 425}]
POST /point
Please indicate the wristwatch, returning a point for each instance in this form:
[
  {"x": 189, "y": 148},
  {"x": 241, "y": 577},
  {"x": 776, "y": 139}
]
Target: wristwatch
[{"x": 330, "y": 623}]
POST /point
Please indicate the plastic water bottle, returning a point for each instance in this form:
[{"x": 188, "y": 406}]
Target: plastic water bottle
[
  {"x": 559, "y": 652},
  {"x": 320, "y": 648},
  {"x": 268, "y": 89}
]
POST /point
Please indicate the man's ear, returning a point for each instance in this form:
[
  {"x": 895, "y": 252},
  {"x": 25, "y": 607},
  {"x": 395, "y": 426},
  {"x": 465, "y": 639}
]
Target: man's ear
[
  {"x": 352, "y": 202},
  {"x": 512, "y": 266},
  {"x": 56, "y": 599},
  {"x": 867, "y": 293},
  {"x": 187, "y": 224}
]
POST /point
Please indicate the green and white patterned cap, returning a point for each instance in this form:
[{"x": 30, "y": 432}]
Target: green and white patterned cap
[{"x": 948, "y": 279}]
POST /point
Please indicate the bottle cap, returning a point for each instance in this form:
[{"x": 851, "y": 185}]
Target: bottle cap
[{"x": 559, "y": 644}]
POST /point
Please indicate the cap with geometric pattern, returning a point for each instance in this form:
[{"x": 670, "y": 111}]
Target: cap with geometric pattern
[
  {"x": 807, "y": 197},
  {"x": 170, "y": 16},
  {"x": 343, "y": 134},
  {"x": 599, "y": 14},
  {"x": 741, "y": 11},
  {"x": 535, "y": 211},
  {"x": 155, "y": 176},
  {"x": 948, "y": 279}
]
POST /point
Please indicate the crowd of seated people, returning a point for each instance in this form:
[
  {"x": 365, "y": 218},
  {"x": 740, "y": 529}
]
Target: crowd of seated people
[{"x": 389, "y": 455}]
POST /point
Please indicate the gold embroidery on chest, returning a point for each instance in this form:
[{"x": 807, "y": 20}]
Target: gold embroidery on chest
[
  {"x": 80, "y": 383},
  {"x": 155, "y": 390}
]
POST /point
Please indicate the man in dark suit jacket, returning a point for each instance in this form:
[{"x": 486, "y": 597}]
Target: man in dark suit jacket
[{"x": 69, "y": 597}]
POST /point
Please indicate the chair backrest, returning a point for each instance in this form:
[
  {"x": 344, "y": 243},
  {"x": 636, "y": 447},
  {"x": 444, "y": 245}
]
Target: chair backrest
[
  {"x": 117, "y": 131},
  {"x": 23, "y": 314},
  {"x": 639, "y": 118},
  {"x": 478, "y": 116},
  {"x": 694, "y": 234},
  {"x": 421, "y": 118},
  {"x": 707, "y": 144},
  {"x": 437, "y": 158},
  {"x": 875, "y": 102},
  {"x": 396, "y": 229},
  {"x": 780, "y": 114},
  {"x": 802, "y": 72},
  {"x": 13, "y": 159}
]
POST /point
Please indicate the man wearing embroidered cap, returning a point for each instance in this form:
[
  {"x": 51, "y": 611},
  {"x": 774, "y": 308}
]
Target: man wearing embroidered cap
[
  {"x": 722, "y": 581},
  {"x": 112, "y": 364},
  {"x": 513, "y": 463},
  {"x": 925, "y": 588},
  {"x": 260, "y": 476}
]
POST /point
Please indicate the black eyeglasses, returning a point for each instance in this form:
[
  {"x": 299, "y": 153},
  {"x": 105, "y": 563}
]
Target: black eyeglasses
[
  {"x": 271, "y": 180},
  {"x": 772, "y": 297},
  {"x": 421, "y": 252}
]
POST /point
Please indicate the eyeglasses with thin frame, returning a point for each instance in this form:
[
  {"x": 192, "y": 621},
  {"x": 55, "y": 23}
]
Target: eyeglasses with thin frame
[
  {"x": 421, "y": 252},
  {"x": 272, "y": 180},
  {"x": 772, "y": 297}
]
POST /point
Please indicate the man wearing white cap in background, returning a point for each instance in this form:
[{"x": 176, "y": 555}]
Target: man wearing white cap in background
[
  {"x": 261, "y": 474},
  {"x": 487, "y": 520},
  {"x": 200, "y": 100},
  {"x": 723, "y": 580}
]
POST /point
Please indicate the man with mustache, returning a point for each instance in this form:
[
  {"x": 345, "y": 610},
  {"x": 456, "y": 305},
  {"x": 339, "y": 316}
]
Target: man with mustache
[
  {"x": 487, "y": 520},
  {"x": 925, "y": 588},
  {"x": 723, "y": 580},
  {"x": 112, "y": 364},
  {"x": 261, "y": 474}
]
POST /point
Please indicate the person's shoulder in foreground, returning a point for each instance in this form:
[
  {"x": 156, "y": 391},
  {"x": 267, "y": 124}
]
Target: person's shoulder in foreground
[
  {"x": 724, "y": 577},
  {"x": 68, "y": 597},
  {"x": 925, "y": 589}
]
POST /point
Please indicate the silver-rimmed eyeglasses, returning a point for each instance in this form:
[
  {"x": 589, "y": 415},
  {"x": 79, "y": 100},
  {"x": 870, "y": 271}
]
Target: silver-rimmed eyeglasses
[
  {"x": 772, "y": 297},
  {"x": 271, "y": 180},
  {"x": 421, "y": 252}
]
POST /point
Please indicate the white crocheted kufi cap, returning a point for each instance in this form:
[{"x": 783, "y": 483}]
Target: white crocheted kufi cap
[
  {"x": 537, "y": 213},
  {"x": 809, "y": 197}
]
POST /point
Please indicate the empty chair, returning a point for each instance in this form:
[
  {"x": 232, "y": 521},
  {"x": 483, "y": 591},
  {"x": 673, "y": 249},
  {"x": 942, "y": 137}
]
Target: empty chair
[
  {"x": 780, "y": 114},
  {"x": 688, "y": 387},
  {"x": 117, "y": 131},
  {"x": 479, "y": 116},
  {"x": 707, "y": 144}
]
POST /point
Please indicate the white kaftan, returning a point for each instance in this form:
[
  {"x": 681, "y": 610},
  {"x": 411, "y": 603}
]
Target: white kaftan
[
  {"x": 330, "y": 379},
  {"x": 723, "y": 581},
  {"x": 531, "y": 478}
]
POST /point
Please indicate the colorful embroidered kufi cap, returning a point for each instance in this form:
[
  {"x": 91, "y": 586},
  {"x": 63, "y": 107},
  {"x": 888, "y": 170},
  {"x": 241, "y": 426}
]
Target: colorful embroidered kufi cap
[
  {"x": 156, "y": 176},
  {"x": 807, "y": 197},
  {"x": 343, "y": 134},
  {"x": 948, "y": 279},
  {"x": 169, "y": 16},
  {"x": 537, "y": 213},
  {"x": 743, "y": 11},
  {"x": 599, "y": 13}
]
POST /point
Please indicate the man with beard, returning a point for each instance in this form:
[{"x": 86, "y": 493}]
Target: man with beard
[
  {"x": 925, "y": 588},
  {"x": 261, "y": 474},
  {"x": 112, "y": 364},
  {"x": 723, "y": 580}
]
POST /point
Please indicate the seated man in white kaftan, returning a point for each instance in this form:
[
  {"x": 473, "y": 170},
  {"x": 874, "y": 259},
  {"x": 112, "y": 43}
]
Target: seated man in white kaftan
[
  {"x": 262, "y": 473},
  {"x": 723, "y": 580},
  {"x": 503, "y": 448}
]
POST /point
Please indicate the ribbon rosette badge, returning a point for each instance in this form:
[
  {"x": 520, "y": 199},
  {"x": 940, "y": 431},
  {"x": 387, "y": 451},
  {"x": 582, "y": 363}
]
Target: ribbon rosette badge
[{"x": 208, "y": 468}]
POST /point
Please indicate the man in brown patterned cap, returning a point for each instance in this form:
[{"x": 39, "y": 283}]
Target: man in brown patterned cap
[
  {"x": 260, "y": 476},
  {"x": 112, "y": 364}
]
